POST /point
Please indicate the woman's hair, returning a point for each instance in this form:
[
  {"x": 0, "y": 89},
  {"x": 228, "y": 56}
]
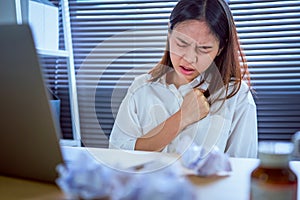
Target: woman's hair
[{"x": 230, "y": 63}]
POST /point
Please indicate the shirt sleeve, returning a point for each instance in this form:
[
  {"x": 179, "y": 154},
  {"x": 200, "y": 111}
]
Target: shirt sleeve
[
  {"x": 242, "y": 140},
  {"x": 126, "y": 127}
]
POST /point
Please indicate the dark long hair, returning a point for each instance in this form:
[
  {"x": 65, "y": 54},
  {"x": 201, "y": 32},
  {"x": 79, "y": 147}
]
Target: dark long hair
[{"x": 230, "y": 63}]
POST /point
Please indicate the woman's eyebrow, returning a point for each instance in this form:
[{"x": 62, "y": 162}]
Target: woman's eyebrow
[
  {"x": 198, "y": 46},
  {"x": 183, "y": 41}
]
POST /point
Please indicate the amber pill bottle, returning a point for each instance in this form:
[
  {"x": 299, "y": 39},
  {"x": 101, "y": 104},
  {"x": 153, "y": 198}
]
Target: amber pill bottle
[{"x": 273, "y": 179}]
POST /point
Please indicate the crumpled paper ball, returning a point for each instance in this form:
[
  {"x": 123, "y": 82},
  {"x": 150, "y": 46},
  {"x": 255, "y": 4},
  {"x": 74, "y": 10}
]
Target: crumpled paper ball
[
  {"x": 166, "y": 184},
  {"x": 206, "y": 163},
  {"x": 85, "y": 178}
]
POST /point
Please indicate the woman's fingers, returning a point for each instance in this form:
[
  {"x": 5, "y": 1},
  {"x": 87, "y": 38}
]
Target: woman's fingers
[{"x": 202, "y": 103}]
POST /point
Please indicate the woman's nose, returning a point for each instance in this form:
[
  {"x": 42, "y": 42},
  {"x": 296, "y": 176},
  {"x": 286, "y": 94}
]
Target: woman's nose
[{"x": 191, "y": 55}]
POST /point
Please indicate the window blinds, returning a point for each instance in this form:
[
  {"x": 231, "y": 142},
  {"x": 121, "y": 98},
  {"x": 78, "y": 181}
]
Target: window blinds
[
  {"x": 56, "y": 75},
  {"x": 270, "y": 35},
  {"x": 115, "y": 40}
]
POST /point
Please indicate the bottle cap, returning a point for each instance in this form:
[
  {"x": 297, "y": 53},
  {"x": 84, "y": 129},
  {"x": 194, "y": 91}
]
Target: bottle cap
[{"x": 274, "y": 153}]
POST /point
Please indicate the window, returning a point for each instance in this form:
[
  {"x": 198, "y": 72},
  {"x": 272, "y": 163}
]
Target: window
[
  {"x": 270, "y": 35},
  {"x": 114, "y": 40}
]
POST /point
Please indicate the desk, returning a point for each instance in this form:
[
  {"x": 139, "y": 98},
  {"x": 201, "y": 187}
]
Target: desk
[
  {"x": 235, "y": 186},
  {"x": 15, "y": 189}
]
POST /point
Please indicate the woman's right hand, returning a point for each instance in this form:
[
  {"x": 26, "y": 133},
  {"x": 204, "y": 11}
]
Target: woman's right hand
[{"x": 194, "y": 107}]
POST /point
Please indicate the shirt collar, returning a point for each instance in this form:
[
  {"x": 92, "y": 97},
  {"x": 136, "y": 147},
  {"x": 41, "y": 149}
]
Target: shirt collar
[{"x": 188, "y": 86}]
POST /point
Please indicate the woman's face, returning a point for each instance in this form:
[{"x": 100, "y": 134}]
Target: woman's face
[{"x": 193, "y": 47}]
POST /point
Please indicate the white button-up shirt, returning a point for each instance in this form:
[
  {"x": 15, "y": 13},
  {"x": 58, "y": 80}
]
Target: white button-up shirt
[{"x": 230, "y": 125}]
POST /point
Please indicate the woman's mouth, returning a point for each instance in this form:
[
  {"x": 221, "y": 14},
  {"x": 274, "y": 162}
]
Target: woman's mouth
[{"x": 186, "y": 71}]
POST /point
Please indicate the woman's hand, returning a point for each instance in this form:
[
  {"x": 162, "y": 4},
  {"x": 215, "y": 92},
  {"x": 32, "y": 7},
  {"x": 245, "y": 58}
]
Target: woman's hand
[{"x": 194, "y": 107}]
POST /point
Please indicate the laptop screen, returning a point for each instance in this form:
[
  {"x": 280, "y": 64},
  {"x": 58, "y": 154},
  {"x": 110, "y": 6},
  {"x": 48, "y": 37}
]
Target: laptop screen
[{"x": 29, "y": 145}]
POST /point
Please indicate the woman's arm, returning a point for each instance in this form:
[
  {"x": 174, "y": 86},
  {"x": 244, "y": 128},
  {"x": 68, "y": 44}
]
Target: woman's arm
[
  {"x": 193, "y": 108},
  {"x": 242, "y": 141},
  {"x": 162, "y": 135}
]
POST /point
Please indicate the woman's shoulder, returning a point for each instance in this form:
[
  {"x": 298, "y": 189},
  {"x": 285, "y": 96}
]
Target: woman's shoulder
[
  {"x": 244, "y": 93},
  {"x": 143, "y": 78},
  {"x": 245, "y": 88},
  {"x": 242, "y": 87},
  {"x": 139, "y": 81}
]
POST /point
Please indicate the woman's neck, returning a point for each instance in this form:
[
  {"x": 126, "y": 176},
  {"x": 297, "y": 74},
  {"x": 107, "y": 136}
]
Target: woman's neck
[{"x": 172, "y": 78}]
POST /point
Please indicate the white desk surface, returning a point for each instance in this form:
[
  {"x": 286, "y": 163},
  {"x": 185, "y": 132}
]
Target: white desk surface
[{"x": 235, "y": 186}]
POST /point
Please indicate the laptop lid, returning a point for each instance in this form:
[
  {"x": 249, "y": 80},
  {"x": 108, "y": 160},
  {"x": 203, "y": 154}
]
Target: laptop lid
[{"x": 29, "y": 146}]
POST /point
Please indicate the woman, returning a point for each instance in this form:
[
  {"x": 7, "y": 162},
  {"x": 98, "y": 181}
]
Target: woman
[{"x": 198, "y": 93}]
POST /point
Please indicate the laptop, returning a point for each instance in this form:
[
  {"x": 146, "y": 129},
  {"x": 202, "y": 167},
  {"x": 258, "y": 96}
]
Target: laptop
[{"x": 29, "y": 145}]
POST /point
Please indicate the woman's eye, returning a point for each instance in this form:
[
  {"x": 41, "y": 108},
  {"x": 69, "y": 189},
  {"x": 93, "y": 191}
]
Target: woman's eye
[
  {"x": 204, "y": 49},
  {"x": 181, "y": 45}
]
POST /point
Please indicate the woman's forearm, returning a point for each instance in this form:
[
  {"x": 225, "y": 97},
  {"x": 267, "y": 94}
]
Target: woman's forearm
[{"x": 162, "y": 135}]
